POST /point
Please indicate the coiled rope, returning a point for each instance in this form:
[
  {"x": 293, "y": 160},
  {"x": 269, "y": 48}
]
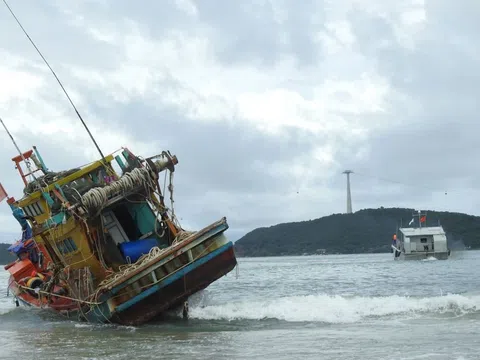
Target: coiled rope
[{"x": 97, "y": 198}]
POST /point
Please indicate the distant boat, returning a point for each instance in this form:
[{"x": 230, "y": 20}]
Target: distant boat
[{"x": 419, "y": 241}]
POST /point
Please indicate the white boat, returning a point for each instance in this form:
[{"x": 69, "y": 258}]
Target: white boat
[{"x": 420, "y": 241}]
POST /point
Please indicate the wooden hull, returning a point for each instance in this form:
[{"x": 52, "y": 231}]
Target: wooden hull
[
  {"x": 103, "y": 247},
  {"x": 61, "y": 305},
  {"x": 174, "y": 291},
  {"x": 160, "y": 285}
]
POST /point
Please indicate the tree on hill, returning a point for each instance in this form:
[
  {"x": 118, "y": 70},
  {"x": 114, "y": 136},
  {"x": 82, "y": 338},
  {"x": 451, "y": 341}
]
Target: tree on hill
[
  {"x": 364, "y": 231},
  {"x": 5, "y": 256}
]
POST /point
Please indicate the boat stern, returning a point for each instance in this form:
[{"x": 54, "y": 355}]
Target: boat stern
[{"x": 165, "y": 282}]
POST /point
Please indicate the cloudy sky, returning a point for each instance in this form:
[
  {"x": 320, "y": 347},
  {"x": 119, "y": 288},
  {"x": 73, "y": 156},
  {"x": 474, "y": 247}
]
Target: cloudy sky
[{"x": 265, "y": 102}]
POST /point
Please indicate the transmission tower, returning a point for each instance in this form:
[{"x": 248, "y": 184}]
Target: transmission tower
[{"x": 349, "y": 195}]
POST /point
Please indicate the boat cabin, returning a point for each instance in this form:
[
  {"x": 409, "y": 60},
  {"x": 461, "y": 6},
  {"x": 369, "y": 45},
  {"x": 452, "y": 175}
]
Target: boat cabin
[
  {"x": 420, "y": 241},
  {"x": 425, "y": 239},
  {"x": 78, "y": 220}
]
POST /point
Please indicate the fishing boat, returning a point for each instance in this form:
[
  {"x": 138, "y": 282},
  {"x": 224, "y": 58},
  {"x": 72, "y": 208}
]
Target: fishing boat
[
  {"x": 100, "y": 244},
  {"x": 103, "y": 247},
  {"x": 418, "y": 241}
]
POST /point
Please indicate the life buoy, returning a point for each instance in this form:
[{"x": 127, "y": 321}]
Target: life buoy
[
  {"x": 41, "y": 276},
  {"x": 34, "y": 283}
]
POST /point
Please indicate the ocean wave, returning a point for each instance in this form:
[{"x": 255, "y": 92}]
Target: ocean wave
[
  {"x": 336, "y": 309},
  {"x": 430, "y": 258},
  {"x": 6, "y": 303},
  {"x": 322, "y": 308}
]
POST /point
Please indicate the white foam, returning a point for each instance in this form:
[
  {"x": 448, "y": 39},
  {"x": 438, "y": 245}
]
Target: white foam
[
  {"x": 6, "y": 303},
  {"x": 335, "y": 309},
  {"x": 109, "y": 325},
  {"x": 81, "y": 325}
]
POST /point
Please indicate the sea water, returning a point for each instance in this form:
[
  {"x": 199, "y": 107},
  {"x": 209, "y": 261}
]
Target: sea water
[{"x": 309, "y": 307}]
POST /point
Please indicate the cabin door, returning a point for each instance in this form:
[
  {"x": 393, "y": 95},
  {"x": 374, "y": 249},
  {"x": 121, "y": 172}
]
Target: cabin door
[{"x": 114, "y": 228}]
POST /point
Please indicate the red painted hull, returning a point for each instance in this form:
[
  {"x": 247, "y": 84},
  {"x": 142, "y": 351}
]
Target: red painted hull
[{"x": 56, "y": 303}]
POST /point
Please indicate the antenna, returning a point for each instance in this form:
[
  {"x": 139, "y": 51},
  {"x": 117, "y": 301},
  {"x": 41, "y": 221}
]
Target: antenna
[
  {"x": 58, "y": 80},
  {"x": 18, "y": 149},
  {"x": 422, "y": 217},
  {"x": 349, "y": 195}
]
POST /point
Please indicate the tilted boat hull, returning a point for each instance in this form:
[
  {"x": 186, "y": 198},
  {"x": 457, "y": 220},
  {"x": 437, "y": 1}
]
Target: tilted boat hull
[
  {"x": 103, "y": 247},
  {"x": 170, "y": 293},
  {"x": 142, "y": 295},
  {"x": 62, "y": 306}
]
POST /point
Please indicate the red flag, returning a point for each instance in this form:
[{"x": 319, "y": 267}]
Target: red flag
[
  {"x": 3, "y": 193},
  {"x": 423, "y": 219}
]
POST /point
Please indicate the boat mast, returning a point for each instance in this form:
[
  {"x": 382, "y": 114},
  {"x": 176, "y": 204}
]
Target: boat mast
[
  {"x": 58, "y": 80},
  {"x": 18, "y": 149},
  {"x": 420, "y": 215}
]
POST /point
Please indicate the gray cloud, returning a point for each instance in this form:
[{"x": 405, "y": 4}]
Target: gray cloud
[
  {"x": 52, "y": 32},
  {"x": 218, "y": 155},
  {"x": 253, "y": 32},
  {"x": 428, "y": 133},
  {"x": 435, "y": 144}
]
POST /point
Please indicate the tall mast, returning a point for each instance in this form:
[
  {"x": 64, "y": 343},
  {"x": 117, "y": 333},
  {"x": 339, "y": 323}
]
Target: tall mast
[{"x": 18, "y": 149}]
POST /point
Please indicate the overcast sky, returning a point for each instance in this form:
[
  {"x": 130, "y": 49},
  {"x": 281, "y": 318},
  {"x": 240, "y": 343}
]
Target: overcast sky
[{"x": 265, "y": 102}]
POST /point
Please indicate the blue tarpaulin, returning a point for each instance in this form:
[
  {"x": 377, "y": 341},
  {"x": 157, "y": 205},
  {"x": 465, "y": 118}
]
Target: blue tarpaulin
[
  {"x": 20, "y": 246},
  {"x": 20, "y": 216}
]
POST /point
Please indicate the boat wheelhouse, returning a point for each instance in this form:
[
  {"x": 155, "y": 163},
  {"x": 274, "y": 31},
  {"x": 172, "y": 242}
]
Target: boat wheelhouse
[
  {"x": 420, "y": 241},
  {"x": 103, "y": 246}
]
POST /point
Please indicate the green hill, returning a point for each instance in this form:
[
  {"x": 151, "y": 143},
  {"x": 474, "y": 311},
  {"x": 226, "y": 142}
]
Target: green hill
[
  {"x": 365, "y": 231},
  {"x": 5, "y": 256}
]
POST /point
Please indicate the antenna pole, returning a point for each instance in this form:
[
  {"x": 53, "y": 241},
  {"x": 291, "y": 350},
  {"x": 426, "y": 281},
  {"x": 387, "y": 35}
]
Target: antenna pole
[
  {"x": 18, "y": 149},
  {"x": 11, "y": 137},
  {"x": 349, "y": 195},
  {"x": 58, "y": 80}
]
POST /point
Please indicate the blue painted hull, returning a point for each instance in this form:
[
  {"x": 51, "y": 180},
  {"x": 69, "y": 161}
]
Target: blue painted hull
[{"x": 168, "y": 293}]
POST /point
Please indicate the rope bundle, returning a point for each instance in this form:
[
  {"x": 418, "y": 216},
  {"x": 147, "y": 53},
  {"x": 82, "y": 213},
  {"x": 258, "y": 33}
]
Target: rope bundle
[
  {"x": 153, "y": 254},
  {"x": 97, "y": 198}
]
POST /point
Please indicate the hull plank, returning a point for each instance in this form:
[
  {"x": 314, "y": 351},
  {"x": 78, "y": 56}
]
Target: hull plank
[{"x": 176, "y": 291}]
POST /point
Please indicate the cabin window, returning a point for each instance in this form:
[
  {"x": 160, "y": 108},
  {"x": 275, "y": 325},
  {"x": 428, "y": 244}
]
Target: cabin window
[
  {"x": 67, "y": 246},
  {"x": 423, "y": 240},
  {"x": 34, "y": 209}
]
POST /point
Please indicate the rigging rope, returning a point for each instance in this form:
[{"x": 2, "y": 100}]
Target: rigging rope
[
  {"x": 58, "y": 80},
  {"x": 153, "y": 254},
  {"x": 150, "y": 258},
  {"x": 97, "y": 198}
]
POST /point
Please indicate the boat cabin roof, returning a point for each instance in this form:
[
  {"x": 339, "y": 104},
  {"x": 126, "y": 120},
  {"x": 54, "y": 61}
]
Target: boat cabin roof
[
  {"x": 28, "y": 199},
  {"x": 420, "y": 231}
]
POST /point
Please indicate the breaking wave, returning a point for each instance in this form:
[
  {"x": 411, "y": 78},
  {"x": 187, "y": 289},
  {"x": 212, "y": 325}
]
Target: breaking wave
[
  {"x": 336, "y": 309},
  {"x": 6, "y": 303},
  {"x": 318, "y": 308}
]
